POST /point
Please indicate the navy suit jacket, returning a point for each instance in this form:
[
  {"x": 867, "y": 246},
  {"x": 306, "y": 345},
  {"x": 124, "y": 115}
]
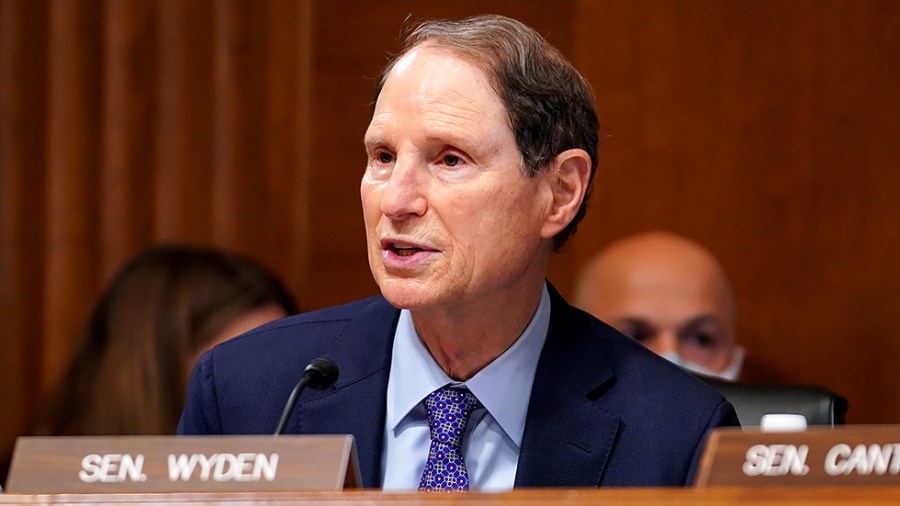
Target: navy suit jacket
[{"x": 603, "y": 409}]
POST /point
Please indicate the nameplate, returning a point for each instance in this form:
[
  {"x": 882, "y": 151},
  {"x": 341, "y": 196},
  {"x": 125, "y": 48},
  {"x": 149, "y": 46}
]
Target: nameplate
[
  {"x": 844, "y": 455},
  {"x": 125, "y": 464}
]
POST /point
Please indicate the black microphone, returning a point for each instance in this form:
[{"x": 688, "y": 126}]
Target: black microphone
[{"x": 321, "y": 373}]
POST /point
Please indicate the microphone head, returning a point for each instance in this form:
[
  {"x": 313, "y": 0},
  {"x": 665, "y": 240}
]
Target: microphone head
[{"x": 322, "y": 373}]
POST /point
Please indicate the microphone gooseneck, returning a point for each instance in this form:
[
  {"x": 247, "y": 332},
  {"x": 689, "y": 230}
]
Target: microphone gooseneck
[{"x": 321, "y": 373}]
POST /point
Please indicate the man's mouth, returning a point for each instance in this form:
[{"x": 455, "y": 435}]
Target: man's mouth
[
  {"x": 402, "y": 249},
  {"x": 405, "y": 252}
]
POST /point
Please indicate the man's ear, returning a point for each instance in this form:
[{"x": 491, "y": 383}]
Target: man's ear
[{"x": 569, "y": 177}]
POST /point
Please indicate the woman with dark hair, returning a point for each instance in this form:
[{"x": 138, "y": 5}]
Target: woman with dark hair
[{"x": 160, "y": 313}]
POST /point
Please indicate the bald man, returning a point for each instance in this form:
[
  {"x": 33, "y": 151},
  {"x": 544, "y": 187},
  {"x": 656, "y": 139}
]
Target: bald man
[{"x": 670, "y": 294}]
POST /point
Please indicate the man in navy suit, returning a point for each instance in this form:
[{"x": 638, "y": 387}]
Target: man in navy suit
[{"x": 470, "y": 370}]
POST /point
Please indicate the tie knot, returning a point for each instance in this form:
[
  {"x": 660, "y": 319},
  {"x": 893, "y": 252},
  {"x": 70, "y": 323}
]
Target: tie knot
[{"x": 448, "y": 411}]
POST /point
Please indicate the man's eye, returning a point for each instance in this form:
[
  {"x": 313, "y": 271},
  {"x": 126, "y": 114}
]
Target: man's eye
[
  {"x": 384, "y": 157},
  {"x": 702, "y": 339},
  {"x": 451, "y": 160},
  {"x": 636, "y": 333},
  {"x": 639, "y": 335}
]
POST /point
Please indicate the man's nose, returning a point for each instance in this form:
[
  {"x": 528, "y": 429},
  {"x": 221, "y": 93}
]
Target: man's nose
[
  {"x": 664, "y": 342},
  {"x": 404, "y": 192}
]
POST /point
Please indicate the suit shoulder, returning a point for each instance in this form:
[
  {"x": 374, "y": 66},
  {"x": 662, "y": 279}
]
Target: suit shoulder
[
  {"x": 330, "y": 316},
  {"x": 655, "y": 375},
  {"x": 638, "y": 369}
]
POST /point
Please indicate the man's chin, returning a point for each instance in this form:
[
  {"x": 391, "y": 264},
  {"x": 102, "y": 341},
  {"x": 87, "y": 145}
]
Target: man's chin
[{"x": 406, "y": 294}]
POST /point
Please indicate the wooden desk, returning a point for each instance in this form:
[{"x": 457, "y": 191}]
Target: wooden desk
[{"x": 536, "y": 497}]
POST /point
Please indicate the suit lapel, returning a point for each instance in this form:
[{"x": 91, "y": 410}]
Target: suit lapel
[
  {"x": 356, "y": 404},
  {"x": 567, "y": 439}
]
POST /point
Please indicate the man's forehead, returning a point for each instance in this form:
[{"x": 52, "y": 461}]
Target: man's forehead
[
  {"x": 405, "y": 61},
  {"x": 433, "y": 61},
  {"x": 444, "y": 92}
]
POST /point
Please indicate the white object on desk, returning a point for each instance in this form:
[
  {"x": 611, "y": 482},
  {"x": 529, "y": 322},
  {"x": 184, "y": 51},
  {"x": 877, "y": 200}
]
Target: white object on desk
[{"x": 782, "y": 422}]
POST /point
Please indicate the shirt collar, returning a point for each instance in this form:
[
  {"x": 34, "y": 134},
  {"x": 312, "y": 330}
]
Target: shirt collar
[{"x": 503, "y": 386}]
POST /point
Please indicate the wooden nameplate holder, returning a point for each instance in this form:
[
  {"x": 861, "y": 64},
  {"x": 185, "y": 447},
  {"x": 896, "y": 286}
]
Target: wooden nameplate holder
[
  {"x": 129, "y": 464},
  {"x": 844, "y": 455}
]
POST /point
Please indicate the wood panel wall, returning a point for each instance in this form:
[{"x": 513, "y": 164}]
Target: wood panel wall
[
  {"x": 764, "y": 129},
  {"x": 128, "y": 123}
]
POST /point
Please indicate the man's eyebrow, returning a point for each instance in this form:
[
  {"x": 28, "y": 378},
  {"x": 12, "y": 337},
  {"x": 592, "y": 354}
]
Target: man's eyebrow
[
  {"x": 455, "y": 138},
  {"x": 636, "y": 323},
  {"x": 373, "y": 140}
]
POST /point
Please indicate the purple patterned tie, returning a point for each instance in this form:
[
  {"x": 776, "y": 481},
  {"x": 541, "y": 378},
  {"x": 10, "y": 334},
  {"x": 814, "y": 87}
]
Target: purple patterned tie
[{"x": 448, "y": 413}]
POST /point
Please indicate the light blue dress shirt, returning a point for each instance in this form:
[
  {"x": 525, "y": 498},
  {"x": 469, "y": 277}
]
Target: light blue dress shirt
[{"x": 494, "y": 434}]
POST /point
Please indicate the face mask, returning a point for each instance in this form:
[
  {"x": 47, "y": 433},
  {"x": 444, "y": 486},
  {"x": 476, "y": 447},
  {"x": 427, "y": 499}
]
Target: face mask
[{"x": 729, "y": 374}]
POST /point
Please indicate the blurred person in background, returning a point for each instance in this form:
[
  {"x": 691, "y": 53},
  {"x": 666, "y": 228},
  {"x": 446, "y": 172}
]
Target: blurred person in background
[
  {"x": 670, "y": 294},
  {"x": 164, "y": 308}
]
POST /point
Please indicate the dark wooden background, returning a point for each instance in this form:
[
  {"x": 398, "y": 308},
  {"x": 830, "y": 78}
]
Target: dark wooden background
[{"x": 766, "y": 129}]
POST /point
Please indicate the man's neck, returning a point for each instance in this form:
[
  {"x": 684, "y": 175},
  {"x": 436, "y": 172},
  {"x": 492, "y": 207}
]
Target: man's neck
[{"x": 466, "y": 338}]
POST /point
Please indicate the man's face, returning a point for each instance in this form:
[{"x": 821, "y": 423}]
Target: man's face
[
  {"x": 690, "y": 324},
  {"x": 450, "y": 217},
  {"x": 670, "y": 301}
]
